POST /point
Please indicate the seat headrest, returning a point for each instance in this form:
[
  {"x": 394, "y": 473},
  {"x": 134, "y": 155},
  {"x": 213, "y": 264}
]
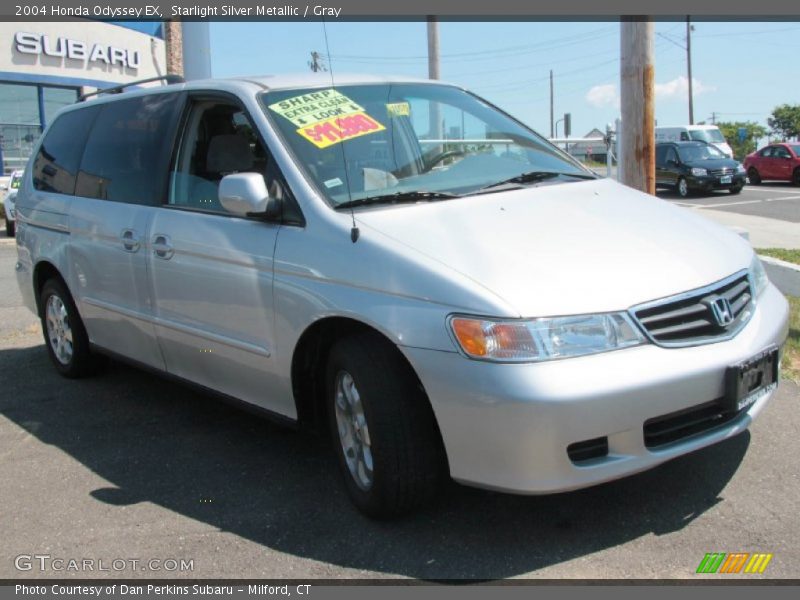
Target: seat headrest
[{"x": 229, "y": 153}]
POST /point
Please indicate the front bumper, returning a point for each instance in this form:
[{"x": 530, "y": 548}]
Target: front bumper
[
  {"x": 709, "y": 183},
  {"x": 508, "y": 426}
]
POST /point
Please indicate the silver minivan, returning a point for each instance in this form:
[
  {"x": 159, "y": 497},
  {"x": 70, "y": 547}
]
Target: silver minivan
[{"x": 403, "y": 264}]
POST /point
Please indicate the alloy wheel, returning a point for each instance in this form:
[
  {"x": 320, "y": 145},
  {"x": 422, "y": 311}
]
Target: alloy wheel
[{"x": 353, "y": 430}]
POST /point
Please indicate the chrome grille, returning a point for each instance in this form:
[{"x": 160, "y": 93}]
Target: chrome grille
[
  {"x": 689, "y": 319},
  {"x": 723, "y": 171}
]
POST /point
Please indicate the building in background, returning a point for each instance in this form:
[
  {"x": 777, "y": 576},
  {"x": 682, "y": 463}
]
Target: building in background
[{"x": 45, "y": 66}]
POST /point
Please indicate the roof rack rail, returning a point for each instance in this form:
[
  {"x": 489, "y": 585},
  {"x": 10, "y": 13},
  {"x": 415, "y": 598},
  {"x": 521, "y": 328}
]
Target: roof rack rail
[{"x": 117, "y": 89}]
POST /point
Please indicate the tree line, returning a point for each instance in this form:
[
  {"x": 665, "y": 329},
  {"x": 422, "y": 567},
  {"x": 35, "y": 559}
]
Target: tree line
[{"x": 784, "y": 124}]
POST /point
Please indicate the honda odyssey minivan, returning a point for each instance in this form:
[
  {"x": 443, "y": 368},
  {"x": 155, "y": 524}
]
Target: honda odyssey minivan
[{"x": 403, "y": 264}]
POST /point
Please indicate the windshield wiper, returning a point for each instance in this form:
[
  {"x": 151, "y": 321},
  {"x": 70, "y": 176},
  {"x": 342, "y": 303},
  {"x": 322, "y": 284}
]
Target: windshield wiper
[
  {"x": 398, "y": 198},
  {"x": 535, "y": 176}
]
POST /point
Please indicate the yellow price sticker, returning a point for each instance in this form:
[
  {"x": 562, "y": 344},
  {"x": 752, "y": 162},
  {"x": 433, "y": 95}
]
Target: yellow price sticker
[
  {"x": 398, "y": 109},
  {"x": 315, "y": 107},
  {"x": 339, "y": 129}
]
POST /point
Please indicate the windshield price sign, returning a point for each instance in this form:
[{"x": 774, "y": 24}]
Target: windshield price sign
[
  {"x": 315, "y": 107},
  {"x": 338, "y": 129}
]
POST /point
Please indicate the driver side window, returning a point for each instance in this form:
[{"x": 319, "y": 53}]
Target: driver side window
[{"x": 218, "y": 140}]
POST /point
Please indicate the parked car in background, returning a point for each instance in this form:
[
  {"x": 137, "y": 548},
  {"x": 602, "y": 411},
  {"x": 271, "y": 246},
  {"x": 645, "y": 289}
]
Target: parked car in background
[
  {"x": 481, "y": 307},
  {"x": 695, "y": 133},
  {"x": 688, "y": 167},
  {"x": 779, "y": 162},
  {"x": 10, "y": 200}
]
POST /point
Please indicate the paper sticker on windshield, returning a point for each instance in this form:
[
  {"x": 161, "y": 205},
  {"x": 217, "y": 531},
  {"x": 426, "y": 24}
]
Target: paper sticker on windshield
[
  {"x": 398, "y": 109},
  {"x": 315, "y": 107},
  {"x": 338, "y": 129}
]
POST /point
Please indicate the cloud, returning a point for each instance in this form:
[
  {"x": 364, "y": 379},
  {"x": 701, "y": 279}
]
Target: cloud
[
  {"x": 603, "y": 95},
  {"x": 679, "y": 88}
]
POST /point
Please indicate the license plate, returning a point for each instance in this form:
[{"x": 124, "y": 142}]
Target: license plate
[
  {"x": 749, "y": 380},
  {"x": 725, "y": 179}
]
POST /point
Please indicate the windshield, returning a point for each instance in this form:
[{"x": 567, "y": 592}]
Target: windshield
[
  {"x": 693, "y": 153},
  {"x": 796, "y": 149},
  {"x": 368, "y": 141},
  {"x": 707, "y": 135}
]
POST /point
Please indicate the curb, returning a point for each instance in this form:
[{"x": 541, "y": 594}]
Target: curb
[{"x": 785, "y": 275}]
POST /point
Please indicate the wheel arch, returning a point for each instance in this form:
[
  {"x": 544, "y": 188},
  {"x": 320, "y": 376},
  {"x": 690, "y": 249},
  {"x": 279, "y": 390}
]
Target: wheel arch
[
  {"x": 43, "y": 271},
  {"x": 309, "y": 361}
]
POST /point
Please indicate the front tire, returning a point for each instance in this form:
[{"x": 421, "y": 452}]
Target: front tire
[
  {"x": 682, "y": 188},
  {"x": 383, "y": 429},
  {"x": 735, "y": 190},
  {"x": 796, "y": 176},
  {"x": 64, "y": 334},
  {"x": 753, "y": 176}
]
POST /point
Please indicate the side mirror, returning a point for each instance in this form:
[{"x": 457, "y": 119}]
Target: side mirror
[
  {"x": 673, "y": 163},
  {"x": 246, "y": 194}
]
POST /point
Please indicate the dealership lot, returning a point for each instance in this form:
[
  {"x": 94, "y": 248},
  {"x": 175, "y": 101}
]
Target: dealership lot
[
  {"x": 131, "y": 466},
  {"x": 778, "y": 201}
]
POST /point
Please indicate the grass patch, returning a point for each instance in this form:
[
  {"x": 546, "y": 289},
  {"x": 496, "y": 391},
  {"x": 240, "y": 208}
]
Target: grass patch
[
  {"x": 792, "y": 256},
  {"x": 790, "y": 369}
]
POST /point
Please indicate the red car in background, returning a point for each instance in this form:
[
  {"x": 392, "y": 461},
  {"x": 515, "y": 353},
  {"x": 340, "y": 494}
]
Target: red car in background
[{"x": 776, "y": 161}]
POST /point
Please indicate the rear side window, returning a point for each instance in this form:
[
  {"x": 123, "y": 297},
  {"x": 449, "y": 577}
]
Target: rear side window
[
  {"x": 56, "y": 164},
  {"x": 126, "y": 152}
]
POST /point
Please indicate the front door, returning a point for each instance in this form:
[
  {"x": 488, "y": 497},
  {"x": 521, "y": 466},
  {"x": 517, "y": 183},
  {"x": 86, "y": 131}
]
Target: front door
[{"x": 212, "y": 271}]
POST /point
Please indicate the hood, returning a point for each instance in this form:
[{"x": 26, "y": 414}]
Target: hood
[
  {"x": 569, "y": 248},
  {"x": 713, "y": 163}
]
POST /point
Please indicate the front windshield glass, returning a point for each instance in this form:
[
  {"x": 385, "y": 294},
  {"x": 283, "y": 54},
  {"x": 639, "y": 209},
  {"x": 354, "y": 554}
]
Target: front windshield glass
[
  {"x": 697, "y": 152},
  {"x": 796, "y": 149},
  {"x": 363, "y": 141},
  {"x": 707, "y": 135}
]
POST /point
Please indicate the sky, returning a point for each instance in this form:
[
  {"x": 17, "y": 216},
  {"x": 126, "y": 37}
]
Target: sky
[{"x": 741, "y": 70}]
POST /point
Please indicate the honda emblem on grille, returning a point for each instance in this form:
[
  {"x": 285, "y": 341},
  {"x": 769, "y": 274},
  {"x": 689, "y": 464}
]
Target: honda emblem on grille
[{"x": 721, "y": 309}]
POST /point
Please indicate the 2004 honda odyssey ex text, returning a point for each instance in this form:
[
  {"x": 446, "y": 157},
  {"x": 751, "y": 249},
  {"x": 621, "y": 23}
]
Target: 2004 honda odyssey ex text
[{"x": 407, "y": 265}]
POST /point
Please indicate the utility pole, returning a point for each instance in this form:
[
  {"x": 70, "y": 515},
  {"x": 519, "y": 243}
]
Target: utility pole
[
  {"x": 636, "y": 90},
  {"x": 713, "y": 118},
  {"x": 433, "y": 73},
  {"x": 316, "y": 63},
  {"x": 689, "y": 67},
  {"x": 433, "y": 48},
  {"x": 552, "y": 125}
]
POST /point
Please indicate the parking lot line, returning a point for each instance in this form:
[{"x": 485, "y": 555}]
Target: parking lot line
[
  {"x": 784, "y": 198},
  {"x": 769, "y": 190},
  {"x": 727, "y": 203}
]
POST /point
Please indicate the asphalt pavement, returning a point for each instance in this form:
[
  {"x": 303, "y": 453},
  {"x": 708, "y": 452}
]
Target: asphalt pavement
[
  {"x": 769, "y": 212},
  {"x": 129, "y": 466}
]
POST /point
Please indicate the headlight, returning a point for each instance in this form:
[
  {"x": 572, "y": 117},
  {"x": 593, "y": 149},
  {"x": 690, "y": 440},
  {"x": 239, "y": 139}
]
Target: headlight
[
  {"x": 544, "y": 339},
  {"x": 740, "y": 169},
  {"x": 758, "y": 276},
  {"x": 699, "y": 172}
]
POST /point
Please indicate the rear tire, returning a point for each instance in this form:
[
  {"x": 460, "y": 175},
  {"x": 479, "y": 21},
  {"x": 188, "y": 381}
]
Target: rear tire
[
  {"x": 735, "y": 190},
  {"x": 64, "y": 334},
  {"x": 382, "y": 427},
  {"x": 10, "y": 228},
  {"x": 753, "y": 176}
]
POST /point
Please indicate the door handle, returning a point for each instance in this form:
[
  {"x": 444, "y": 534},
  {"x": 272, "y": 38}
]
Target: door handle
[
  {"x": 162, "y": 246},
  {"x": 130, "y": 240}
]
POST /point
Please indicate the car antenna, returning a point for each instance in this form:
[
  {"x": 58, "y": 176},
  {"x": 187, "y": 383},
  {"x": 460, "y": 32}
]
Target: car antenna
[{"x": 355, "y": 233}]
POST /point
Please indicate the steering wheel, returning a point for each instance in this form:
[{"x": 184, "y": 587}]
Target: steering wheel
[{"x": 440, "y": 157}]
